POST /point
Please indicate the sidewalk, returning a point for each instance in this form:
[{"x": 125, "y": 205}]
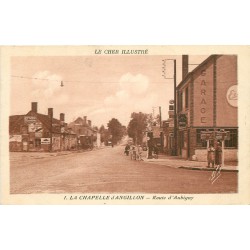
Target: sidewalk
[{"x": 177, "y": 162}]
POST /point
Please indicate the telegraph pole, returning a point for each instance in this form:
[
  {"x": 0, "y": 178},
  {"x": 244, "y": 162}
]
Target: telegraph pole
[
  {"x": 175, "y": 113},
  {"x": 160, "y": 115},
  {"x": 175, "y": 105}
]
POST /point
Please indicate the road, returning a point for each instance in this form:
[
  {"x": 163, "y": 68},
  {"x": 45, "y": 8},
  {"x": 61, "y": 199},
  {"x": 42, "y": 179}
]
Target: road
[{"x": 107, "y": 171}]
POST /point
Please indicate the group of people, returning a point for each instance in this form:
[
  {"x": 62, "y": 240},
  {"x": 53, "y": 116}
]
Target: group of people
[
  {"x": 214, "y": 155},
  {"x": 135, "y": 152}
]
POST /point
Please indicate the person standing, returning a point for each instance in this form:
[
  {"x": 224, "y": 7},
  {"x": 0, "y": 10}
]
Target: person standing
[
  {"x": 210, "y": 156},
  {"x": 218, "y": 155},
  {"x": 139, "y": 153},
  {"x": 126, "y": 151}
]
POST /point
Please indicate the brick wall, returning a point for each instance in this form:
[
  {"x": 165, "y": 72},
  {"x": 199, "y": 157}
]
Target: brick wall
[
  {"x": 203, "y": 96},
  {"x": 226, "y": 115}
]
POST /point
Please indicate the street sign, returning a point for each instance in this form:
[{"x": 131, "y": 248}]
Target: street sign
[
  {"x": 45, "y": 140},
  {"x": 182, "y": 120}
]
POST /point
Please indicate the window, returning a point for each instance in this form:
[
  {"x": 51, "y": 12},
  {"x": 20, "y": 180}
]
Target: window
[
  {"x": 186, "y": 97},
  {"x": 233, "y": 142},
  {"x": 180, "y": 102},
  {"x": 200, "y": 143}
]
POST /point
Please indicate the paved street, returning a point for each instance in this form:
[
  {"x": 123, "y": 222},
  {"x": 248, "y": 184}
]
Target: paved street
[{"x": 107, "y": 170}]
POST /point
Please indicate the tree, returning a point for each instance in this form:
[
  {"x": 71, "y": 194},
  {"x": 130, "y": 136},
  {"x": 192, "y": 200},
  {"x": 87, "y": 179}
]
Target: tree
[
  {"x": 105, "y": 134},
  {"x": 116, "y": 130},
  {"x": 137, "y": 126}
]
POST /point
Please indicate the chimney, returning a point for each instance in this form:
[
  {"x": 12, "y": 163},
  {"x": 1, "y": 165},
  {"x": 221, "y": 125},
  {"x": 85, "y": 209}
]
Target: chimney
[
  {"x": 50, "y": 113},
  {"x": 89, "y": 123},
  {"x": 184, "y": 66},
  {"x": 62, "y": 117},
  {"x": 34, "y": 107},
  {"x": 85, "y": 120}
]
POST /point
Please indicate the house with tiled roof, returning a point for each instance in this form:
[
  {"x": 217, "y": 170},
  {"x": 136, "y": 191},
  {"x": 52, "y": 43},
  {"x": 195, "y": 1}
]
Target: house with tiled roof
[{"x": 38, "y": 132}]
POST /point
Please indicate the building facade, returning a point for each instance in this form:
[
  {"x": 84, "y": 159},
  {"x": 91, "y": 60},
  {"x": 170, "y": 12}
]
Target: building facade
[
  {"x": 38, "y": 132},
  {"x": 207, "y": 102},
  {"x": 87, "y": 136}
]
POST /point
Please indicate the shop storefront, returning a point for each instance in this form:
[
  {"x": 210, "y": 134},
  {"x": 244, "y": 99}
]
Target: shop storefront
[{"x": 207, "y": 102}]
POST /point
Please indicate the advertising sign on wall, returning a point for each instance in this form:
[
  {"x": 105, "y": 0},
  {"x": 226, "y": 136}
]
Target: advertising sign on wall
[
  {"x": 45, "y": 140},
  {"x": 29, "y": 119},
  {"x": 15, "y": 138}
]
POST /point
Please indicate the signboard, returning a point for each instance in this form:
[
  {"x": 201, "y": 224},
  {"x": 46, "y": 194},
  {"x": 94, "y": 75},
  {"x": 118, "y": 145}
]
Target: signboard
[
  {"x": 38, "y": 126},
  {"x": 156, "y": 132},
  {"x": 182, "y": 120},
  {"x": 38, "y": 134},
  {"x": 31, "y": 127},
  {"x": 225, "y": 135},
  {"x": 171, "y": 113},
  {"x": 218, "y": 135},
  {"x": 15, "y": 138},
  {"x": 232, "y": 96},
  {"x": 207, "y": 135},
  {"x": 45, "y": 140},
  {"x": 29, "y": 119}
]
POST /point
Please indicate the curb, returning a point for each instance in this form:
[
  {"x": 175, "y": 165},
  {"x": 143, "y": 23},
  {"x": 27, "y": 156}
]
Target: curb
[
  {"x": 208, "y": 169},
  {"x": 195, "y": 168}
]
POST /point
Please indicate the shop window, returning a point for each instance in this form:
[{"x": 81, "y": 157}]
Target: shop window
[
  {"x": 201, "y": 143},
  {"x": 233, "y": 142}
]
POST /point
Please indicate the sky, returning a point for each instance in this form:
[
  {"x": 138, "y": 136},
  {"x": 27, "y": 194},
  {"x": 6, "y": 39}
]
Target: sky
[{"x": 99, "y": 87}]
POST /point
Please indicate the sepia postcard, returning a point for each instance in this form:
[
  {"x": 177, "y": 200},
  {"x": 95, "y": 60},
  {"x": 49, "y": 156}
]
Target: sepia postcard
[{"x": 132, "y": 125}]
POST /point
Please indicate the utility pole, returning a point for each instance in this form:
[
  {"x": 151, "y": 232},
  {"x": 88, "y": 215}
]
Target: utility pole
[
  {"x": 175, "y": 114},
  {"x": 160, "y": 115},
  {"x": 175, "y": 104}
]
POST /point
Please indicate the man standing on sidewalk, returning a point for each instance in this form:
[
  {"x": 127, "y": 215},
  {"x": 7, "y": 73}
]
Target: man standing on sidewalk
[
  {"x": 218, "y": 155},
  {"x": 210, "y": 156}
]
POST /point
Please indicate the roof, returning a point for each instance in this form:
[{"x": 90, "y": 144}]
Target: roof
[
  {"x": 15, "y": 120},
  {"x": 210, "y": 58},
  {"x": 80, "y": 122}
]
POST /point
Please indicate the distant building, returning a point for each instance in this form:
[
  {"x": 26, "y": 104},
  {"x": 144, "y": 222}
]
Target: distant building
[
  {"x": 38, "y": 132},
  {"x": 207, "y": 102},
  {"x": 87, "y": 136}
]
